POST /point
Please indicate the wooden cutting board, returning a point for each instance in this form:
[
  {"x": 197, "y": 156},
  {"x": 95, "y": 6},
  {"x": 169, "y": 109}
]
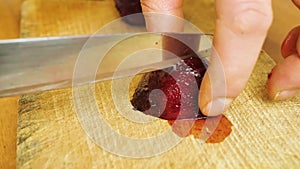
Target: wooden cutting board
[{"x": 264, "y": 134}]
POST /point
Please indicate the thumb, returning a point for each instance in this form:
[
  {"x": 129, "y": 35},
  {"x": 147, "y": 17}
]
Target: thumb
[
  {"x": 241, "y": 28},
  {"x": 284, "y": 80}
]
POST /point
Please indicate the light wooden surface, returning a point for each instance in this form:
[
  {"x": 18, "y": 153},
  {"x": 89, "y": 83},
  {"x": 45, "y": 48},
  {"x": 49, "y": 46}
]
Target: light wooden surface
[
  {"x": 8, "y": 125},
  {"x": 9, "y": 28},
  {"x": 10, "y": 17},
  {"x": 264, "y": 133}
]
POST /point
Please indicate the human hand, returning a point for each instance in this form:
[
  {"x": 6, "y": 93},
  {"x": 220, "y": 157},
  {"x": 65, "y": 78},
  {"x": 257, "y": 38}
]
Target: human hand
[
  {"x": 284, "y": 80},
  {"x": 241, "y": 28}
]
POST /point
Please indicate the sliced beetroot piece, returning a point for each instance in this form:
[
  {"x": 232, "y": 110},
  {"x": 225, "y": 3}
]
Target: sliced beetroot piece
[
  {"x": 177, "y": 94},
  {"x": 128, "y": 7}
]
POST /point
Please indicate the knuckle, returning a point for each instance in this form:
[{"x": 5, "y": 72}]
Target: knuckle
[
  {"x": 252, "y": 20},
  {"x": 251, "y": 16}
]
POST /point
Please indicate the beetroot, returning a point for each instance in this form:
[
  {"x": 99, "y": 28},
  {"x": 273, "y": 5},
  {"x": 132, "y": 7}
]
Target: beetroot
[{"x": 177, "y": 94}]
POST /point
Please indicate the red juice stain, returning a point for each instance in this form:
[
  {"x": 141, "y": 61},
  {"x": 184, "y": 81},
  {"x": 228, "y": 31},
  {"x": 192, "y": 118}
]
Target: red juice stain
[{"x": 212, "y": 129}]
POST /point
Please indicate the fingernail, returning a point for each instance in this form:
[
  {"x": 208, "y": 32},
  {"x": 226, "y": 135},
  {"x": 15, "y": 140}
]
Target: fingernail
[
  {"x": 285, "y": 94},
  {"x": 217, "y": 106}
]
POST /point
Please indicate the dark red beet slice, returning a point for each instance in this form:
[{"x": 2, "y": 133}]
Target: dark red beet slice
[
  {"x": 128, "y": 7},
  {"x": 179, "y": 88}
]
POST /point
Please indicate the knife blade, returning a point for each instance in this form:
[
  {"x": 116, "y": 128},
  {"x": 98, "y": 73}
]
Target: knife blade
[{"x": 38, "y": 64}]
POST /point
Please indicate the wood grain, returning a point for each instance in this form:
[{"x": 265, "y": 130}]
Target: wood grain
[
  {"x": 264, "y": 133},
  {"x": 66, "y": 17},
  {"x": 10, "y": 18},
  {"x": 9, "y": 28},
  {"x": 50, "y": 135},
  {"x": 8, "y": 125}
]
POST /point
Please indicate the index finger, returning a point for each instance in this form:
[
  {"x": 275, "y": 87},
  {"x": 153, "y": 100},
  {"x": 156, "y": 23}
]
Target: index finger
[{"x": 241, "y": 28}]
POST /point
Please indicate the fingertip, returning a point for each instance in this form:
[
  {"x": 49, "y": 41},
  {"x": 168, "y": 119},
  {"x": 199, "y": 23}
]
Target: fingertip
[
  {"x": 217, "y": 106},
  {"x": 213, "y": 101},
  {"x": 284, "y": 79}
]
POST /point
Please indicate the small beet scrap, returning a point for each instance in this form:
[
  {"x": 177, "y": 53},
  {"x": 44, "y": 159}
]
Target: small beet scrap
[
  {"x": 171, "y": 93},
  {"x": 211, "y": 130}
]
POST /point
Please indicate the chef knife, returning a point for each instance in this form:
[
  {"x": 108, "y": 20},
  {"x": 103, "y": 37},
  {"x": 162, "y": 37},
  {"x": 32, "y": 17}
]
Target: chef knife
[{"x": 38, "y": 64}]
